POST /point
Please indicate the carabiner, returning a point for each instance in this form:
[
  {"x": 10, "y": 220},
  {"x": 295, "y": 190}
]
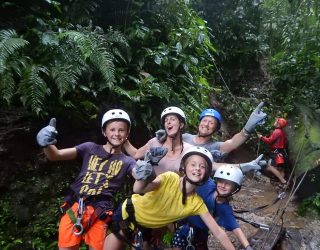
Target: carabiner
[
  {"x": 190, "y": 239},
  {"x": 138, "y": 241},
  {"x": 77, "y": 228}
]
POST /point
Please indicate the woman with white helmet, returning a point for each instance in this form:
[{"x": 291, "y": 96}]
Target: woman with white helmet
[
  {"x": 87, "y": 209},
  {"x": 173, "y": 119},
  {"x": 228, "y": 180},
  {"x": 167, "y": 198}
]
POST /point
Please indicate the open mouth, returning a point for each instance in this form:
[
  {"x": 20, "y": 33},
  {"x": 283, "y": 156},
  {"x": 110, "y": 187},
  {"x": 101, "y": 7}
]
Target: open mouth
[{"x": 196, "y": 174}]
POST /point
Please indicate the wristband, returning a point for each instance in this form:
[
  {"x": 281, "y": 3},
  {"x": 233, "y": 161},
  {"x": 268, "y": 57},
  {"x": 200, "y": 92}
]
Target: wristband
[{"x": 245, "y": 132}]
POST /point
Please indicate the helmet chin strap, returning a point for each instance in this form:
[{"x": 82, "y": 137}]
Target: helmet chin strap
[
  {"x": 196, "y": 183},
  {"x": 185, "y": 179}
]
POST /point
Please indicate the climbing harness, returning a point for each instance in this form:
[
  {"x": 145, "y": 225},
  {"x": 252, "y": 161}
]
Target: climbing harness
[
  {"x": 125, "y": 227},
  {"x": 190, "y": 240},
  {"x": 77, "y": 228},
  {"x": 76, "y": 217}
]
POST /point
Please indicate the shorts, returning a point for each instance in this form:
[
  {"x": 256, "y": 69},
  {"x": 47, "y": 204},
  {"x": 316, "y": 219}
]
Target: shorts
[
  {"x": 94, "y": 237},
  {"x": 273, "y": 156}
]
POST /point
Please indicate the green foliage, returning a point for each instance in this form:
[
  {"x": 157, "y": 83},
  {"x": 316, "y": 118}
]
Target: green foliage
[
  {"x": 10, "y": 43},
  {"x": 71, "y": 63},
  {"x": 310, "y": 204},
  {"x": 235, "y": 33},
  {"x": 170, "y": 60},
  {"x": 292, "y": 32},
  {"x": 81, "y": 69}
]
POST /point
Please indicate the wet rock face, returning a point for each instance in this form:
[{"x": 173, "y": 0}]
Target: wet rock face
[{"x": 17, "y": 144}]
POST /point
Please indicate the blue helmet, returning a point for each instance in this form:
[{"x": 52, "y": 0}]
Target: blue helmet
[{"x": 213, "y": 113}]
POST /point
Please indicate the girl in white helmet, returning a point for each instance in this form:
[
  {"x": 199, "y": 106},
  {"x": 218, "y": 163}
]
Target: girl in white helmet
[
  {"x": 228, "y": 180},
  {"x": 166, "y": 199},
  {"x": 87, "y": 209},
  {"x": 173, "y": 120}
]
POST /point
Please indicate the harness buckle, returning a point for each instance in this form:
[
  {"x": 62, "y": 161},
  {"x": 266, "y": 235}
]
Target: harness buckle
[{"x": 64, "y": 207}]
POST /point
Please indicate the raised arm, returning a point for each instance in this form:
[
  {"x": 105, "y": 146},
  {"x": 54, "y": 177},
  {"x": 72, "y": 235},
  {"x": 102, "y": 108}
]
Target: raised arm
[
  {"x": 134, "y": 152},
  {"x": 142, "y": 187},
  {"x": 233, "y": 143},
  {"x": 245, "y": 167},
  {"x": 257, "y": 117},
  {"x": 217, "y": 231},
  {"x": 55, "y": 154}
]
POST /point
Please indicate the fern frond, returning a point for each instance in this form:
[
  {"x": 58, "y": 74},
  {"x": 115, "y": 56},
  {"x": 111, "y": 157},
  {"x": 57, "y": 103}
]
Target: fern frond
[
  {"x": 7, "y": 87},
  {"x": 93, "y": 51},
  {"x": 9, "y": 44},
  {"x": 33, "y": 88},
  {"x": 103, "y": 61},
  {"x": 65, "y": 78}
]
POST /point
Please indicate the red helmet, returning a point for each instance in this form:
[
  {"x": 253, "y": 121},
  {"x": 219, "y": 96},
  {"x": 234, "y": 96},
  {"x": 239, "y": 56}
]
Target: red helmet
[{"x": 282, "y": 122}]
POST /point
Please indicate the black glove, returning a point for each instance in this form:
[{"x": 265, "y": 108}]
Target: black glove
[
  {"x": 161, "y": 135},
  {"x": 47, "y": 135},
  {"x": 143, "y": 171},
  {"x": 155, "y": 154},
  {"x": 217, "y": 155}
]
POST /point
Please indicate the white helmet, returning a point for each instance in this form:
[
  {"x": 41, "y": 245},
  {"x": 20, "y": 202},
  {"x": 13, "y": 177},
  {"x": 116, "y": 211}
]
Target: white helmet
[
  {"x": 115, "y": 114},
  {"x": 197, "y": 150},
  {"x": 173, "y": 110},
  {"x": 230, "y": 173}
]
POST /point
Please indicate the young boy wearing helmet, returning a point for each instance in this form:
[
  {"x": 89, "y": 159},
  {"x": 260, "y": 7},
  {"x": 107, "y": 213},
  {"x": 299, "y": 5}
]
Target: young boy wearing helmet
[
  {"x": 277, "y": 142},
  {"x": 166, "y": 199},
  {"x": 104, "y": 169},
  {"x": 228, "y": 180}
]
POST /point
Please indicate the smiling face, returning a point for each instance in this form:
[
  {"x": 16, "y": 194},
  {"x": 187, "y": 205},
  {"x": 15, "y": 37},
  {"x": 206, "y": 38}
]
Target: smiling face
[
  {"x": 195, "y": 168},
  {"x": 172, "y": 125},
  {"x": 225, "y": 187},
  {"x": 116, "y": 132},
  {"x": 207, "y": 126}
]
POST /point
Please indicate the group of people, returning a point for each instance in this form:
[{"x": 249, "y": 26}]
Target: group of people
[{"x": 173, "y": 186}]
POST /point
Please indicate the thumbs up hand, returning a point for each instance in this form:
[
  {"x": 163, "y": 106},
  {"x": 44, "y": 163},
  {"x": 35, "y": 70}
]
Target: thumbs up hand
[{"x": 47, "y": 135}]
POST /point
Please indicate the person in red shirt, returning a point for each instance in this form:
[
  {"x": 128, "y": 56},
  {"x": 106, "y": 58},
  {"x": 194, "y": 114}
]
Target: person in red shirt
[{"x": 277, "y": 142}]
